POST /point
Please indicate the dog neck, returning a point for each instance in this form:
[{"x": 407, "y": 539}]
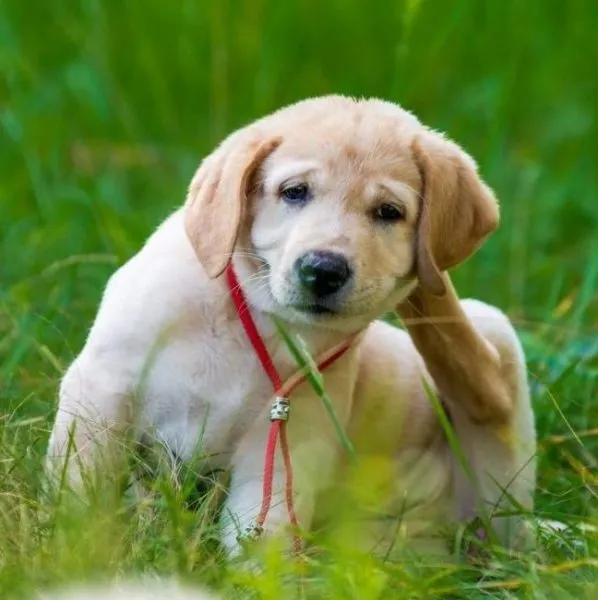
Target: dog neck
[{"x": 317, "y": 336}]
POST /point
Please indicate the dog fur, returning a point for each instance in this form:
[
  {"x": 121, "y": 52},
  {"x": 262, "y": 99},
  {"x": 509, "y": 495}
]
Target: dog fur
[
  {"x": 129, "y": 590},
  {"x": 167, "y": 358}
]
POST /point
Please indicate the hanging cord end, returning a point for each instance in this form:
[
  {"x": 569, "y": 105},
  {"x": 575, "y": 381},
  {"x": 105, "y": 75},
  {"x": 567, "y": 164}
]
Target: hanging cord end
[{"x": 250, "y": 533}]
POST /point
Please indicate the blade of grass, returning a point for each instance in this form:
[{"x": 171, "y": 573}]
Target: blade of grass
[{"x": 314, "y": 377}]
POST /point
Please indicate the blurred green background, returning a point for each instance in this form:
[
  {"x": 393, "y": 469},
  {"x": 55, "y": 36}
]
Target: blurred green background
[{"x": 106, "y": 108}]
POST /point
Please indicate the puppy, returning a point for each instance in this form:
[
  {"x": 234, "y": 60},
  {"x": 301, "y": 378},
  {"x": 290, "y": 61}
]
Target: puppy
[{"x": 332, "y": 211}]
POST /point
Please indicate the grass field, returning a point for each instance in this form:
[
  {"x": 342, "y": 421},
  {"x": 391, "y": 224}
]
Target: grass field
[{"x": 105, "y": 110}]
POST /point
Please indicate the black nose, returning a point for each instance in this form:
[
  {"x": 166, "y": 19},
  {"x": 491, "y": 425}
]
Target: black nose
[{"x": 322, "y": 273}]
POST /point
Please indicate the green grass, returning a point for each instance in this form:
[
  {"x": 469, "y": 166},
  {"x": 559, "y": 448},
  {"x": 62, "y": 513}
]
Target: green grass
[{"x": 105, "y": 110}]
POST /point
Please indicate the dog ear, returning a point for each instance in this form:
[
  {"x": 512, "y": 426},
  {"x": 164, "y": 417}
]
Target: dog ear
[
  {"x": 458, "y": 209},
  {"x": 217, "y": 198}
]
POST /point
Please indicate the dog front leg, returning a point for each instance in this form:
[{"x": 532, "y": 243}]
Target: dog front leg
[
  {"x": 312, "y": 461},
  {"x": 460, "y": 361},
  {"x": 314, "y": 452},
  {"x": 93, "y": 411},
  {"x": 245, "y": 495}
]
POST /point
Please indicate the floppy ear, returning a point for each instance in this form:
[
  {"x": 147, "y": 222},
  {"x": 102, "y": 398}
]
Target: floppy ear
[
  {"x": 217, "y": 198},
  {"x": 458, "y": 209}
]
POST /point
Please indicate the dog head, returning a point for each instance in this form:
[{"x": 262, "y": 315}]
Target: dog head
[{"x": 339, "y": 206}]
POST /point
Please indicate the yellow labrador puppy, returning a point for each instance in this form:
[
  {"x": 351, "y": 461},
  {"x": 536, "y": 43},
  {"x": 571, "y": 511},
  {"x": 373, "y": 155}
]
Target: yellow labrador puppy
[{"x": 332, "y": 211}]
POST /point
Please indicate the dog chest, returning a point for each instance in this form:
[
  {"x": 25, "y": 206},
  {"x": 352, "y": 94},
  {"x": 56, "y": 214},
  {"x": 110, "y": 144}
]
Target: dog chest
[{"x": 201, "y": 392}]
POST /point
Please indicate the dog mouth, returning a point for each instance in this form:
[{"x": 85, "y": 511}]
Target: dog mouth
[
  {"x": 314, "y": 309},
  {"x": 309, "y": 307}
]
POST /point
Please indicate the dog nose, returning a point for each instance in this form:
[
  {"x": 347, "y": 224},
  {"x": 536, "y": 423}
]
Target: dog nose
[{"x": 322, "y": 273}]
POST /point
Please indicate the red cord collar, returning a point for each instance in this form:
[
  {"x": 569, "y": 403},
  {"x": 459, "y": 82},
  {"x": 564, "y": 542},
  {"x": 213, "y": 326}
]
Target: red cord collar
[{"x": 279, "y": 412}]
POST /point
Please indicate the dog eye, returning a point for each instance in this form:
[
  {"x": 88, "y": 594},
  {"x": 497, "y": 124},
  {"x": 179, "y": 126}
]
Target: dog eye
[
  {"x": 389, "y": 213},
  {"x": 295, "y": 194}
]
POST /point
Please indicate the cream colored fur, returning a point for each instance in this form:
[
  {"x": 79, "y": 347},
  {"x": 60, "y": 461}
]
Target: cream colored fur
[
  {"x": 167, "y": 358},
  {"x": 129, "y": 590},
  {"x": 397, "y": 433}
]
